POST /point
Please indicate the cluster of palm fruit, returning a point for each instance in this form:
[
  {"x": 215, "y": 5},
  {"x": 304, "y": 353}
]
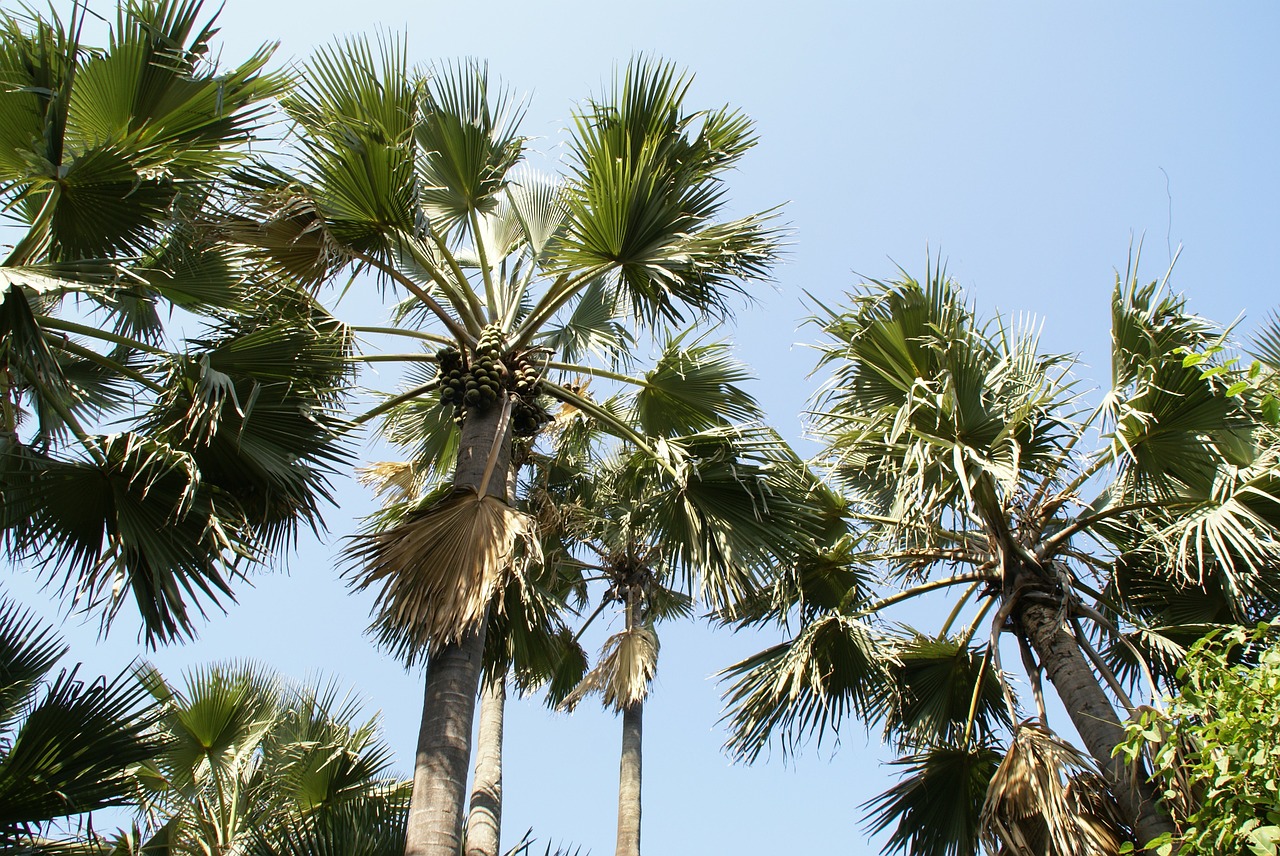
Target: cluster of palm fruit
[{"x": 475, "y": 381}]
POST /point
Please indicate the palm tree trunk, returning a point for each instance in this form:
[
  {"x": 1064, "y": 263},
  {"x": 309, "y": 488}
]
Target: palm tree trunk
[
  {"x": 436, "y": 809},
  {"x": 629, "y": 782},
  {"x": 1093, "y": 716},
  {"x": 484, "y": 822}
]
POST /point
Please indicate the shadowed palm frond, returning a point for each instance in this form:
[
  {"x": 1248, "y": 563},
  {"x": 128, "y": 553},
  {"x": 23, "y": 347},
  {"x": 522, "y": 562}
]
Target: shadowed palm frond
[
  {"x": 833, "y": 668},
  {"x": 936, "y": 803}
]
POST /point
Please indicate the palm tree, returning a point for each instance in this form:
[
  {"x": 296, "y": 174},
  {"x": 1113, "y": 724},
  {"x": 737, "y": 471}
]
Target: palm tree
[
  {"x": 660, "y": 548},
  {"x": 965, "y": 456},
  {"x": 66, "y": 745},
  {"x": 256, "y": 764},
  {"x": 421, "y": 181},
  {"x": 112, "y": 161}
]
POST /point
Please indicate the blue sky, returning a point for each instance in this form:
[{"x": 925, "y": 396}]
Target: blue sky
[{"x": 1030, "y": 145}]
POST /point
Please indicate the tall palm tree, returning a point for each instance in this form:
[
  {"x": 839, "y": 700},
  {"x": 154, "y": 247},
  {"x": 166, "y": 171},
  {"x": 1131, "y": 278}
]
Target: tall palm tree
[
  {"x": 966, "y": 456},
  {"x": 66, "y": 745},
  {"x": 132, "y": 465},
  {"x": 420, "y": 180},
  {"x": 253, "y": 763},
  {"x": 657, "y": 548}
]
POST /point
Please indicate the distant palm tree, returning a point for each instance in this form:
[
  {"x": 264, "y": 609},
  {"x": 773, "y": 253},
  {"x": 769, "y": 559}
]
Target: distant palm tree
[
  {"x": 112, "y": 162},
  {"x": 66, "y": 745},
  {"x": 747, "y": 508},
  {"x": 421, "y": 180},
  {"x": 970, "y": 466}
]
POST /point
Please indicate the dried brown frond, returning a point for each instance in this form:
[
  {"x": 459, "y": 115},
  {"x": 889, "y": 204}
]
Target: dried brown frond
[
  {"x": 1048, "y": 799},
  {"x": 437, "y": 571},
  {"x": 392, "y": 481},
  {"x": 627, "y": 664}
]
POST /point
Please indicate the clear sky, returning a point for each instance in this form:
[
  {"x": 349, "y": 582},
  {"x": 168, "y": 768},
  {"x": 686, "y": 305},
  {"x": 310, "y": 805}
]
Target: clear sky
[{"x": 1030, "y": 144}]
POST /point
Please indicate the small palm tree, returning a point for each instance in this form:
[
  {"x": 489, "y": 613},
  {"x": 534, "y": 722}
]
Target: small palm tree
[
  {"x": 66, "y": 746},
  {"x": 112, "y": 161},
  {"x": 253, "y": 763},
  {"x": 506, "y": 277},
  {"x": 965, "y": 455}
]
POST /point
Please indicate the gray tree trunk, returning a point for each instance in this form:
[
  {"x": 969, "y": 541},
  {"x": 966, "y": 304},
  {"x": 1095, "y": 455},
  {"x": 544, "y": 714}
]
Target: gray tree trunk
[
  {"x": 484, "y": 822},
  {"x": 1093, "y": 716},
  {"x": 437, "y": 807},
  {"x": 629, "y": 782}
]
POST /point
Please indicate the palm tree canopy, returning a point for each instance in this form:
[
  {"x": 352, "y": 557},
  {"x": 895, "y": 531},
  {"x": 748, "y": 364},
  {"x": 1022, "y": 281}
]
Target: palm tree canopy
[
  {"x": 114, "y": 162},
  {"x": 971, "y": 465}
]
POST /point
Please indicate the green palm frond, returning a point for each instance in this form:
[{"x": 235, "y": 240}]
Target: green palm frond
[
  {"x": 66, "y": 745},
  {"x": 693, "y": 386},
  {"x": 932, "y": 693},
  {"x": 835, "y": 667},
  {"x": 645, "y": 194},
  {"x": 467, "y": 134},
  {"x": 935, "y": 804}
]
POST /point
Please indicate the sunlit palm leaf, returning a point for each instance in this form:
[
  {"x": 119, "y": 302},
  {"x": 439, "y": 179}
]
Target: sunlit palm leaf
[
  {"x": 1048, "y": 798},
  {"x": 623, "y": 671},
  {"x": 435, "y": 573},
  {"x": 833, "y": 668}
]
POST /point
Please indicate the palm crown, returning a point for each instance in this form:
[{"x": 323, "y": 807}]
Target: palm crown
[{"x": 965, "y": 456}]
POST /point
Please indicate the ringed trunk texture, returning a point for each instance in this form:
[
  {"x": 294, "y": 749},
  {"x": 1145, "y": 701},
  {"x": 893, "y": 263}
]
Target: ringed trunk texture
[
  {"x": 629, "y": 782},
  {"x": 1093, "y": 716},
  {"x": 484, "y": 822},
  {"x": 437, "y": 807}
]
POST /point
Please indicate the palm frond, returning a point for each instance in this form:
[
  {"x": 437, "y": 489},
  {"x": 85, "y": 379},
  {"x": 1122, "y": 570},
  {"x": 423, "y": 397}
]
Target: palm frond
[
  {"x": 1048, "y": 798},
  {"x": 936, "y": 803},
  {"x": 623, "y": 672},
  {"x": 437, "y": 571}
]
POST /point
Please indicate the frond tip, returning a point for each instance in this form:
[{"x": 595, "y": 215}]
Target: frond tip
[{"x": 437, "y": 571}]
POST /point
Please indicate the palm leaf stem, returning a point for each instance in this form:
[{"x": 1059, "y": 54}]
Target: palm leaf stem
[
  {"x": 499, "y": 436},
  {"x": 65, "y": 326},
  {"x": 972, "y": 629},
  {"x": 924, "y": 588},
  {"x": 459, "y": 332},
  {"x": 394, "y": 401},
  {"x": 1046, "y": 547},
  {"x": 1100, "y": 463},
  {"x": 1043, "y": 488},
  {"x": 1033, "y": 672},
  {"x": 977, "y": 694},
  {"x": 955, "y": 610},
  {"x": 401, "y": 331},
  {"x": 561, "y": 291},
  {"x": 594, "y": 615},
  {"x": 1113, "y": 681},
  {"x": 618, "y": 427},
  {"x": 517, "y": 296},
  {"x": 1103, "y": 622},
  {"x": 469, "y": 306},
  {"x": 393, "y": 358},
  {"x": 490, "y": 295},
  {"x": 993, "y": 647},
  {"x": 106, "y": 362},
  {"x": 597, "y": 372},
  {"x": 64, "y": 412},
  {"x": 34, "y": 242}
]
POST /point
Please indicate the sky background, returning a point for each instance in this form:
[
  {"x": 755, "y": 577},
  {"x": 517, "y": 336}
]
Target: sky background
[{"x": 1031, "y": 146}]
